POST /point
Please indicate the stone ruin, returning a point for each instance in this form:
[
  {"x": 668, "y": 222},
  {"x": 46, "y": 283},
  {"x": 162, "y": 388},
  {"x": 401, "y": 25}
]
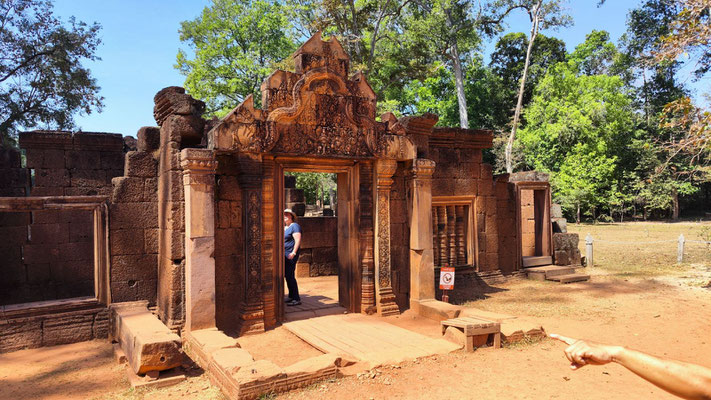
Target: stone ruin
[{"x": 184, "y": 230}]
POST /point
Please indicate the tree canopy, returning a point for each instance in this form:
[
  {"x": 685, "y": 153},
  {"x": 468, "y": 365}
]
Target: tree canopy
[{"x": 42, "y": 79}]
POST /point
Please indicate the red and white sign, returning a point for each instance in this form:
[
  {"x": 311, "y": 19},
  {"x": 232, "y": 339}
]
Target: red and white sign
[{"x": 446, "y": 278}]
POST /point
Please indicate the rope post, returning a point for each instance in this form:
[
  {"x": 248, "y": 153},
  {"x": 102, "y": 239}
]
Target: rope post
[
  {"x": 680, "y": 250},
  {"x": 589, "y": 250}
]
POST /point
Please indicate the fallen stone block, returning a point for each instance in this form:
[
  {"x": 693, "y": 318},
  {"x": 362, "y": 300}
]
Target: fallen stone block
[
  {"x": 311, "y": 370},
  {"x": 455, "y": 335},
  {"x": 148, "y": 344},
  {"x": 260, "y": 377},
  {"x": 520, "y": 329},
  {"x": 435, "y": 309}
]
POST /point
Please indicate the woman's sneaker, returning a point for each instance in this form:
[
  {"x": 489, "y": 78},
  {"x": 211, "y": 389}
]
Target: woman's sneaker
[{"x": 293, "y": 303}]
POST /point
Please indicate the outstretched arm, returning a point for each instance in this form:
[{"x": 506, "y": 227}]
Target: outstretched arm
[
  {"x": 685, "y": 380},
  {"x": 297, "y": 243}
]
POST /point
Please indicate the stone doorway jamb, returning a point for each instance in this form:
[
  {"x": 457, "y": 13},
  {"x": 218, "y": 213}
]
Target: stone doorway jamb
[
  {"x": 384, "y": 295},
  {"x": 419, "y": 190},
  {"x": 199, "y": 166}
]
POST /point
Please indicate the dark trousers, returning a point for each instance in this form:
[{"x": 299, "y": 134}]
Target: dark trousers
[{"x": 290, "y": 275}]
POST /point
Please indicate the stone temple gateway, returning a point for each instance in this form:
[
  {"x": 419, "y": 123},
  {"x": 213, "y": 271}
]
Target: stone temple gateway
[{"x": 188, "y": 221}]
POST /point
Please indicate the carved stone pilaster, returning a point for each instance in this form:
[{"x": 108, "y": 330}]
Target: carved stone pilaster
[
  {"x": 385, "y": 297},
  {"x": 250, "y": 179},
  {"x": 199, "y": 184},
  {"x": 419, "y": 196},
  {"x": 367, "y": 266}
]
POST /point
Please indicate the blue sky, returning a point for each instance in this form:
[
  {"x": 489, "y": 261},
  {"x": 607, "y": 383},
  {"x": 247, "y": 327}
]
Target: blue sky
[{"x": 140, "y": 42}]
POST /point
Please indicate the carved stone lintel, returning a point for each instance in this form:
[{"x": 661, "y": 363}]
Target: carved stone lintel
[{"x": 385, "y": 297}]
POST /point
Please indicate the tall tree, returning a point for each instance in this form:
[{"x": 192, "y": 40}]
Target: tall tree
[
  {"x": 543, "y": 14},
  {"x": 42, "y": 79},
  {"x": 448, "y": 27},
  {"x": 509, "y": 55},
  {"x": 236, "y": 45}
]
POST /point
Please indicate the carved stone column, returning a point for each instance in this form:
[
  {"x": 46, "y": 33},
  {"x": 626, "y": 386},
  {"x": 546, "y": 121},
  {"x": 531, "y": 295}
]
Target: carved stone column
[
  {"x": 250, "y": 180},
  {"x": 422, "y": 276},
  {"x": 199, "y": 167},
  {"x": 385, "y": 298}
]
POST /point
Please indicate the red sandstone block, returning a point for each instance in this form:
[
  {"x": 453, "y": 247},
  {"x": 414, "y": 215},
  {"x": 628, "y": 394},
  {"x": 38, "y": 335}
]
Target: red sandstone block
[
  {"x": 51, "y": 178},
  {"x": 174, "y": 244},
  {"x": 53, "y": 159},
  {"x": 133, "y": 215},
  {"x": 38, "y": 273},
  {"x": 46, "y": 217},
  {"x": 98, "y": 141},
  {"x": 68, "y": 272},
  {"x": 169, "y": 157},
  {"x": 148, "y": 138},
  {"x": 127, "y": 189},
  {"x": 49, "y": 233},
  {"x": 175, "y": 216},
  {"x": 8, "y": 219},
  {"x": 65, "y": 329},
  {"x": 228, "y": 188},
  {"x": 150, "y": 189},
  {"x": 222, "y": 215},
  {"x": 137, "y": 267},
  {"x": 465, "y": 187},
  {"x": 76, "y": 251},
  {"x": 82, "y": 159},
  {"x": 140, "y": 164},
  {"x": 88, "y": 177},
  {"x": 39, "y": 253},
  {"x": 227, "y": 242},
  {"x": 133, "y": 291},
  {"x": 111, "y": 160},
  {"x": 34, "y": 158},
  {"x": 20, "y": 334},
  {"x": 126, "y": 241},
  {"x": 442, "y": 187},
  {"x": 76, "y": 216},
  {"x": 324, "y": 254},
  {"x": 322, "y": 239},
  {"x": 150, "y": 240},
  {"x": 398, "y": 213}
]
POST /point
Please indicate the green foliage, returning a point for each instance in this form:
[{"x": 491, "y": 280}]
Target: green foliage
[
  {"x": 510, "y": 54},
  {"x": 236, "y": 45},
  {"x": 316, "y": 185},
  {"x": 42, "y": 79}
]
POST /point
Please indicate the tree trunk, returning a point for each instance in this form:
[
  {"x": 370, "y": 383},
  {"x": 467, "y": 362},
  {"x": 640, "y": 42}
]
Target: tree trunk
[
  {"x": 459, "y": 83},
  {"x": 577, "y": 218},
  {"x": 675, "y": 205},
  {"x": 519, "y": 102}
]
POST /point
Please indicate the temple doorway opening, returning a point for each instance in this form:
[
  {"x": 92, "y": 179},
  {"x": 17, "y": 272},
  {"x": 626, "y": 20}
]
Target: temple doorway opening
[
  {"x": 535, "y": 227},
  {"x": 313, "y": 198}
]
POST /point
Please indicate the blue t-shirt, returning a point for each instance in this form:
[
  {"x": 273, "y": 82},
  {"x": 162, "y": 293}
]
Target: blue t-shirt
[{"x": 289, "y": 237}]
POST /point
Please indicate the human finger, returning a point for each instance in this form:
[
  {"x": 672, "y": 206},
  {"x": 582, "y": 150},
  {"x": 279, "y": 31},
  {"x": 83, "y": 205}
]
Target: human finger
[{"x": 562, "y": 338}]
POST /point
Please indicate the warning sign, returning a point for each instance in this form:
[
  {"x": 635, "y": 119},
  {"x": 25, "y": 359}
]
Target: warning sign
[{"x": 446, "y": 278}]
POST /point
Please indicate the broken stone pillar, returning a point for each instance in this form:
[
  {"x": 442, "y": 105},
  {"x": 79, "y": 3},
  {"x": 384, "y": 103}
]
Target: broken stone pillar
[
  {"x": 422, "y": 274},
  {"x": 147, "y": 343},
  {"x": 385, "y": 298},
  {"x": 199, "y": 167}
]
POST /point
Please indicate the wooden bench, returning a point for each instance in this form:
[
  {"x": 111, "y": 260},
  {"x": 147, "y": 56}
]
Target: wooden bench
[{"x": 474, "y": 327}]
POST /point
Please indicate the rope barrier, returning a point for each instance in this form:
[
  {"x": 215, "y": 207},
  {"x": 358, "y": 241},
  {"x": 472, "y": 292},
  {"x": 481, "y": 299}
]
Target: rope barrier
[{"x": 649, "y": 242}]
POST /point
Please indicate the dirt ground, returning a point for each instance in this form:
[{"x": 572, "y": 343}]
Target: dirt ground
[{"x": 660, "y": 308}]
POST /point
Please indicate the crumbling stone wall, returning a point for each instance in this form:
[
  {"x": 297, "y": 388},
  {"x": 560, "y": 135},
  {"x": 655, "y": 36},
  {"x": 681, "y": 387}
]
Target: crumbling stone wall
[
  {"x": 319, "y": 246},
  {"x": 133, "y": 227},
  {"x": 565, "y": 247},
  {"x": 14, "y": 179},
  {"x": 72, "y": 164},
  {"x": 181, "y": 126}
]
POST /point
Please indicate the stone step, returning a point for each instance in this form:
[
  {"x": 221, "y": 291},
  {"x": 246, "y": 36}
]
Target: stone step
[
  {"x": 569, "y": 278},
  {"x": 548, "y": 271},
  {"x": 536, "y": 261}
]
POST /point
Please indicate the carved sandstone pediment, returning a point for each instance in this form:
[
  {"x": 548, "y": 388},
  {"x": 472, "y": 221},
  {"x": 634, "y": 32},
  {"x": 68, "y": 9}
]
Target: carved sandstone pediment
[{"x": 316, "y": 111}]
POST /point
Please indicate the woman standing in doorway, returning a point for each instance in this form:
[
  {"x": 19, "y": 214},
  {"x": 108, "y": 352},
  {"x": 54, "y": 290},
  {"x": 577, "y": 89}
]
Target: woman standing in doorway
[{"x": 292, "y": 241}]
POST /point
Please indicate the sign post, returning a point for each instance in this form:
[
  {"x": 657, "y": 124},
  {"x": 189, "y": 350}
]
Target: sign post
[{"x": 446, "y": 281}]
